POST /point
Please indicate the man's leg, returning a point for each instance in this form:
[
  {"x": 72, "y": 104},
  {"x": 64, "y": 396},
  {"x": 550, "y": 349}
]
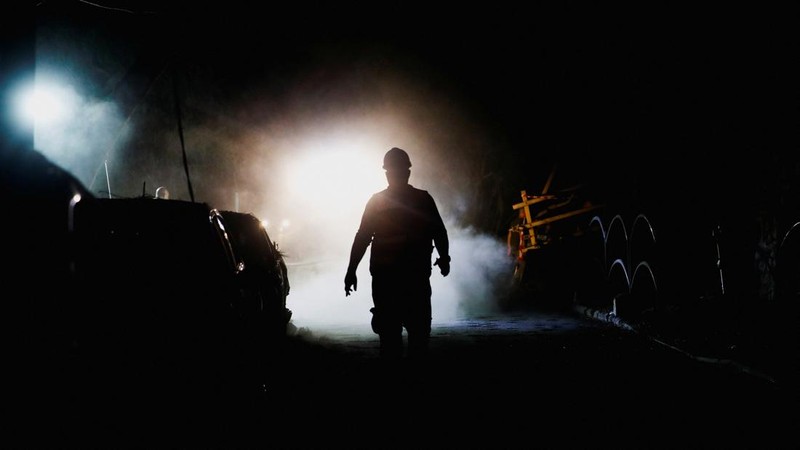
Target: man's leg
[
  {"x": 386, "y": 320},
  {"x": 418, "y": 318},
  {"x": 418, "y": 343},
  {"x": 391, "y": 345}
]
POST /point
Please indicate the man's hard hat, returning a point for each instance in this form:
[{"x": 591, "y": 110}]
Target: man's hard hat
[{"x": 396, "y": 158}]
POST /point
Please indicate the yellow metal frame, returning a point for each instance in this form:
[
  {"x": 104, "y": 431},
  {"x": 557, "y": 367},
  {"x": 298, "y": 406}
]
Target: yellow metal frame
[{"x": 527, "y": 230}]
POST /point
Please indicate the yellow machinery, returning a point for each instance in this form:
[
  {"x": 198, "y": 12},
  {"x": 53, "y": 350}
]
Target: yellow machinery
[{"x": 536, "y": 214}]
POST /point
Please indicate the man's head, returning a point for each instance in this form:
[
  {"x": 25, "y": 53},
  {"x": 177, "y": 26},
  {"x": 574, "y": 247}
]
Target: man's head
[
  {"x": 396, "y": 158},
  {"x": 398, "y": 166}
]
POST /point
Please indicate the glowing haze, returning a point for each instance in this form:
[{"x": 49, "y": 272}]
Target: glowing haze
[{"x": 304, "y": 156}]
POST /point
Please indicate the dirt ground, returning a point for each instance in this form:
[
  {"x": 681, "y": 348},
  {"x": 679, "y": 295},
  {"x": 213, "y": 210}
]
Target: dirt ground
[
  {"x": 527, "y": 378},
  {"x": 536, "y": 379}
]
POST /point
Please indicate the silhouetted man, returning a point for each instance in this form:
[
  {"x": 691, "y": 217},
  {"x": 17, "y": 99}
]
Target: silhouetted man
[{"x": 403, "y": 224}]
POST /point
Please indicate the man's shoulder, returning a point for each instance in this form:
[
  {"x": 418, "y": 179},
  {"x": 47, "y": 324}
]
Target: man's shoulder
[
  {"x": 405, "y": 190},
  {"x": 419, "y": 192},
  {"x": 378, "y": 195},
  {"x": 407, "y": 194}
]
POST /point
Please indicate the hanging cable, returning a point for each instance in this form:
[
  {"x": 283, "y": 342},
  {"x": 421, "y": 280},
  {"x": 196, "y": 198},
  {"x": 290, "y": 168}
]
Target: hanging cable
[{"x": 180, "y": 131}]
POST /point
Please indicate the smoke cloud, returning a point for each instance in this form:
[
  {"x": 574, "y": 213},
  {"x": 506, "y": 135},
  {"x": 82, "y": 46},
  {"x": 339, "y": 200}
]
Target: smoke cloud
[
  {"x": 303, "y": 152},
  {"x": 479, "y": 278}
]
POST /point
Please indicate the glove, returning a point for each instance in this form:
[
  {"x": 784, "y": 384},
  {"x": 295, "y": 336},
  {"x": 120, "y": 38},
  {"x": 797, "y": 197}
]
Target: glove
[
  {"x": 350, "y": 282},
  {"x": 444, "y": 265}
]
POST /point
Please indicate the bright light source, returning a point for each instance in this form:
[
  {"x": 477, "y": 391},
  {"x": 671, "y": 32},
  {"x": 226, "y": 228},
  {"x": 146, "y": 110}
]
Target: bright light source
[
  {"x": 335, "y": 183},
  {"x": 45, "y": 102},
  {"x": 328, "y": 179}
]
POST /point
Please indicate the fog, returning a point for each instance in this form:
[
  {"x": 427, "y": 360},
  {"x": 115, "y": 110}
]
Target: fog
[
  {"x": 299, "y": 148},
  {"x": 307, "y": 172},
  {"x": 479, "y": 278}
]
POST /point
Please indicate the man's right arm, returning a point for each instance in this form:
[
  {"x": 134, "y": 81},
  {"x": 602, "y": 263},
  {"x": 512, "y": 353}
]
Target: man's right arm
[{"x": 357, "y": 251}]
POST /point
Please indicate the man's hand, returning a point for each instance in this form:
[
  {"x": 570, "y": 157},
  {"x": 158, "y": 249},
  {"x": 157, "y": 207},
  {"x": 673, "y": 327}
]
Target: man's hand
[
  {"x": 444, "y": 265},
  {"x": 350, "y": 282}
]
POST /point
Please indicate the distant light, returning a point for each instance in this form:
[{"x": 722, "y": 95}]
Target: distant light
[
  {"x": 71, "y": 216},
  {"x": 285, "y": 224},
  {"x": 357, "y": 175},
  {"x": 45, "y": 103},
  {"x": 162, "y": 193}
]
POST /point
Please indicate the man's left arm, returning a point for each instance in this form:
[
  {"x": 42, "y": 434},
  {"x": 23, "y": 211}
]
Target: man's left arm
[{"x": 440, "y": 241}]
